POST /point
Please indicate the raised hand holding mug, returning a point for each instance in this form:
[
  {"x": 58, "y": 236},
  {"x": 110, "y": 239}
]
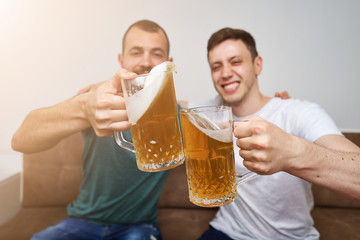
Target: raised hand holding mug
[
  {"x": 209, "y": 152},
  {"x": 153, "y": 115}
]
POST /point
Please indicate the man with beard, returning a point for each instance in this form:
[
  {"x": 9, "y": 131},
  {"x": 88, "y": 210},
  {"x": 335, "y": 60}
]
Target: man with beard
[{"x": 116, "y": 200}]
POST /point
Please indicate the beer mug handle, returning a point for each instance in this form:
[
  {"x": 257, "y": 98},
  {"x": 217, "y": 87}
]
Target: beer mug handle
[
  {"x": 122, "y": 142},
  {"x": 241, "y": 178}
]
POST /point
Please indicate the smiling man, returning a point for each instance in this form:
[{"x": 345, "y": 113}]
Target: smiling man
[
  {"x": 116, "y": 199},
  {"x": 295, "y": 141}
]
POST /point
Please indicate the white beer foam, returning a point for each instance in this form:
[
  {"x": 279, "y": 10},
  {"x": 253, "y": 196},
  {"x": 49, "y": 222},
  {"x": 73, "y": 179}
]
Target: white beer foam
[
  {"x": 138, "y": 103},
  {"x": 222, "y": 135}
]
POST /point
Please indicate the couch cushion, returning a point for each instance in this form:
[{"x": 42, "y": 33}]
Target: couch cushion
[
  {"x": 184, "y": 223},
  {"x": 29, "y": 221},
  {"x": 323, "y": 197},
  {"x": 337, "y": 223},
  {"x": 178, "y": 217},
  {"x": 53, "y": 177}
]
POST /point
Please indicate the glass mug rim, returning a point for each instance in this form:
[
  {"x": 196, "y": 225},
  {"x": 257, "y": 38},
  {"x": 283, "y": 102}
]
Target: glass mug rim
[
  {"x": 205, "y": 109},
  {"x": 144, "y": 75}
]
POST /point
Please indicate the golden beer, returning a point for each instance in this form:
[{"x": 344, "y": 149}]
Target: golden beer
[
  {"x": 210, "y": 163},
  {"x": 156, "y": 134}
]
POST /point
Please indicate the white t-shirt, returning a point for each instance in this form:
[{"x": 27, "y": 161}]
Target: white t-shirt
[{"x": 275, "y": 206}]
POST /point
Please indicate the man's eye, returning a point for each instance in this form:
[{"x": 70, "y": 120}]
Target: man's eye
[
  {"x": 160, "y": 55},
  {"x": 215, "y": 68}
]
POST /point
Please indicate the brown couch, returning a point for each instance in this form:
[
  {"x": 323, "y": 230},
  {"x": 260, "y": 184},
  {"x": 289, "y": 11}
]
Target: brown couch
[{"x": 51, "y": 180}]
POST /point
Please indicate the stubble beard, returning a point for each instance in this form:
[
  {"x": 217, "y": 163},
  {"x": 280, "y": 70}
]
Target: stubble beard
[{"x": 142, "y": 70}]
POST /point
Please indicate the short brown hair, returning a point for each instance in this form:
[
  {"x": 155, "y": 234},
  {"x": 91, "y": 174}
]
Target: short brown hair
[
  {"x": 236, "y": 34},
  {"x": 148, "y": 26}
]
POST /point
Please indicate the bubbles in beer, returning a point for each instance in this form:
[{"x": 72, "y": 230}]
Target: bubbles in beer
[
  {"x": 153, "y": 116},
  {"x": 210, "y": 164}
]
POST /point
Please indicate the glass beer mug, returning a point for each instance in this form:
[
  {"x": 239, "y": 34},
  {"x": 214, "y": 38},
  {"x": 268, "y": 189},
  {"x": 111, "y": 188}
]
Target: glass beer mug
[
  {"x": 153, "y": 115},
  {"x": 209, "y": 152}
]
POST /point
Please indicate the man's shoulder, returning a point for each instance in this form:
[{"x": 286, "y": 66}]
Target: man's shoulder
[
  {"x": 293, "y": 104},
  {"x": 291, "y": 111},
  {"x": 302, "y": 118}
]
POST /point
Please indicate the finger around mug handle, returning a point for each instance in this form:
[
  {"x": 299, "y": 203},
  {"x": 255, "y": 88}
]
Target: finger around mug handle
[
  {"x": 122, "y": 142},
  {"x": 241, "y": 178}
]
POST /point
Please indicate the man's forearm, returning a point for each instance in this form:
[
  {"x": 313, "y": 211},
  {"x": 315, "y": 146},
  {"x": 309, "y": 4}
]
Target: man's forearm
[
  {"x": 333, "y": 169},
  {"x": 43, "y": 128}
]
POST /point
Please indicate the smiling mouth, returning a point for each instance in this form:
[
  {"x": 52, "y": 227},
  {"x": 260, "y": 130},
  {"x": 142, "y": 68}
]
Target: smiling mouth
[{"x": 231, "y": 87}]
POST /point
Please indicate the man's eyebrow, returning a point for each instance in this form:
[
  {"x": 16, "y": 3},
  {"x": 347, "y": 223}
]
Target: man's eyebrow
[
  {"x": 217, "y": 62},
  {"x": 135, "y": 48},
  {"x": 236, "y": 56},
  {"x": 158, "y": 49},
  {"x": 229, "y": 59}
]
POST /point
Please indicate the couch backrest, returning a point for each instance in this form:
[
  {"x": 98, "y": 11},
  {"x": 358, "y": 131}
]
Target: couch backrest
[{"x": 53, "y": 177}]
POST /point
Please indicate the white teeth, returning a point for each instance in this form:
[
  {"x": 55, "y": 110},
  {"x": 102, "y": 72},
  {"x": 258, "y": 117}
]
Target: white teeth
[{"x": 231, "y": 86}]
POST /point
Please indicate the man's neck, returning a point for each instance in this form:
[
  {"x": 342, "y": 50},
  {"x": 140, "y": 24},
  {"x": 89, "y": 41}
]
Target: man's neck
[{"x": 250, "y": 104}]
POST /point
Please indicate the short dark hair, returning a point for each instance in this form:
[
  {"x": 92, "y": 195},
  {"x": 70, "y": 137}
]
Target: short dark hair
[
  {"x": 148, "y": 26},
  {"x": 236, "y": 34}
]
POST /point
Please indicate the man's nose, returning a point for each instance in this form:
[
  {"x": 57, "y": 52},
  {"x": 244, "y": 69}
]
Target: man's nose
[
  {"x": 146, "y": 61},
  {"x": 227, "y": 72}
]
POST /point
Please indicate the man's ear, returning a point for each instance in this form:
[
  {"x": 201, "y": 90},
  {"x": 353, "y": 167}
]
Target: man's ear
[
  {"x": 171, "y": 59},
  {"x": 258, "y": 62},
  {"x": 120, "y": 60}
]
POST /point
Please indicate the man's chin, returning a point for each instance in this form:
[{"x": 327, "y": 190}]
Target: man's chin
[{"x": 230, "y": 101}]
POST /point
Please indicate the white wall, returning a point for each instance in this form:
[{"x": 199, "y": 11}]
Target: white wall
[{"x": 51, "y": 49}]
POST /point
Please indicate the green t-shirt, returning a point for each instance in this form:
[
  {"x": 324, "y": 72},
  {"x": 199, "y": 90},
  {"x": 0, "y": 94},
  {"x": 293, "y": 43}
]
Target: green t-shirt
[{"x": 114, "y": 190}]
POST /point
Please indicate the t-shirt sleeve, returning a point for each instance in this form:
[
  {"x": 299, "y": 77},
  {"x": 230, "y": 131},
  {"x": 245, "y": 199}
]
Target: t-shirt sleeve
[{"x": 313, "y": 122}]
